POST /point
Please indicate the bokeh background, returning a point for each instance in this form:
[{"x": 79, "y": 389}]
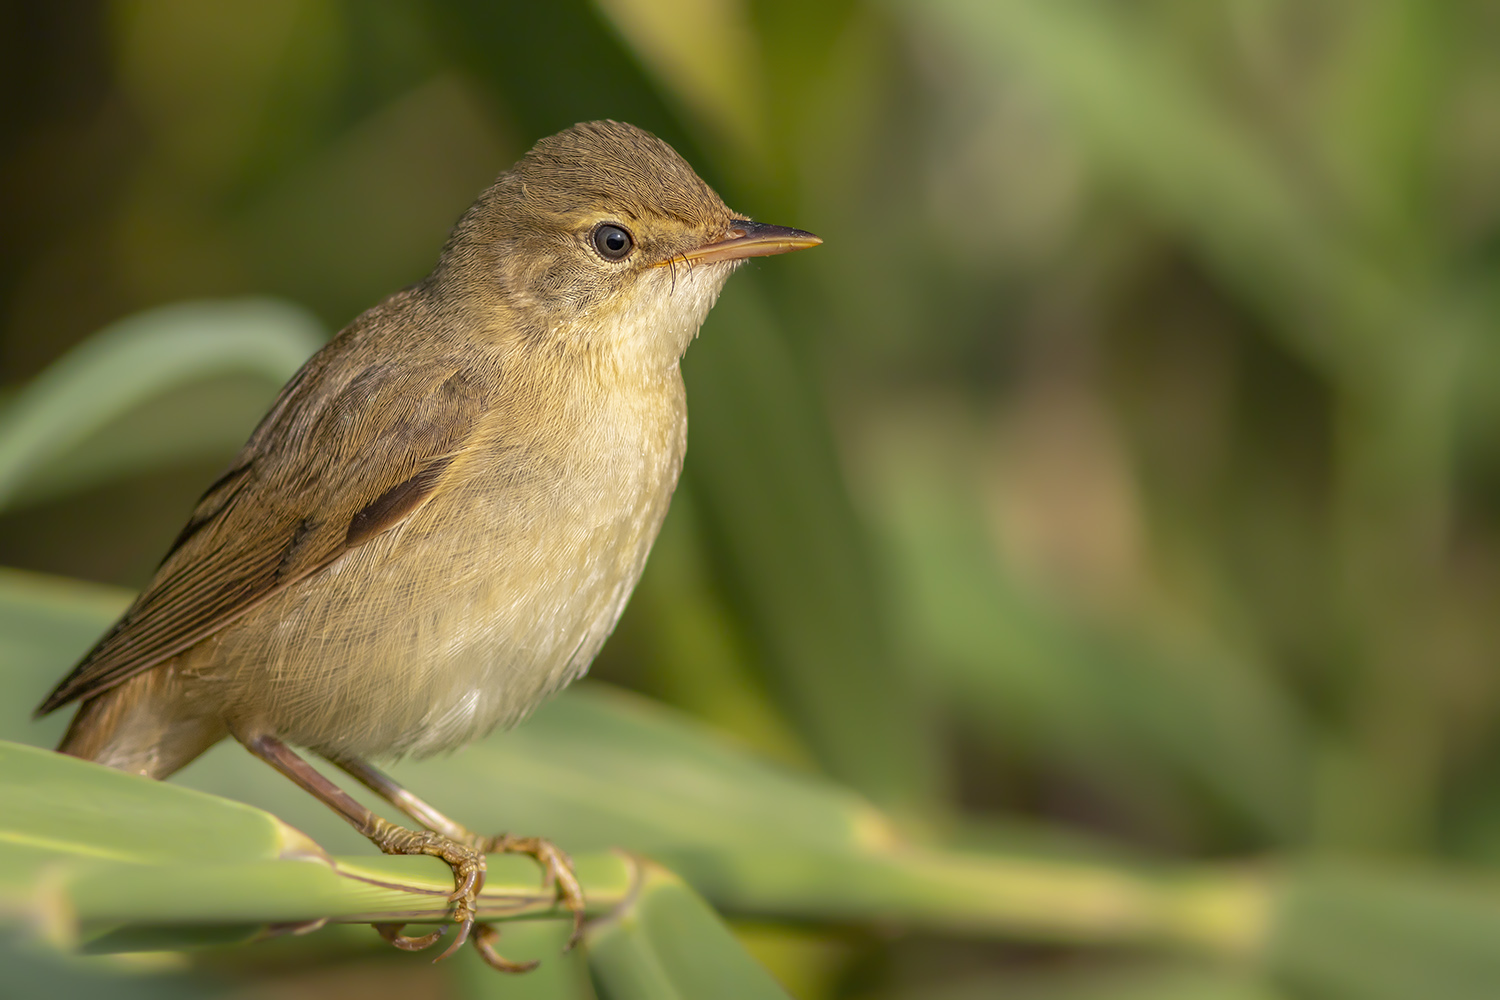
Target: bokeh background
[{"x": 1122, "y": 475}]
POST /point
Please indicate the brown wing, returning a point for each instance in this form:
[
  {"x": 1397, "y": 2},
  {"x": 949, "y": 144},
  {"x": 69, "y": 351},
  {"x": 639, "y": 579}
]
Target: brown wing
[{"x": 346, "y": 453}]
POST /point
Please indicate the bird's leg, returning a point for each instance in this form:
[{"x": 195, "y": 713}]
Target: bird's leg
[
  {"x": 419, "y": 811},
  {"x": 557, "y": 867},
  {"x": 466, "y": 860}
]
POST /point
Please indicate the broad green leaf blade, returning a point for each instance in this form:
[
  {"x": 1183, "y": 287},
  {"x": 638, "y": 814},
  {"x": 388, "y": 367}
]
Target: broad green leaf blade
[
  {"x": 783, "y": 531},
  {"x": 1188, "y": 159},
  {"x": 1378, "y": 118},
  {"x": 46, "y": 624},
  {"x": 1126, "y": 980},
  {"x": 598, "y": 768},
  {"x": 31, "y": 969},
  {"x": 682, "y": 47},
  {"x": 61, "y": 806},
  {"x": 1113, "y": 696},
  {"x": 201, "y": 421},
  {"x": 654, "y": 778},
  {"x": 665, "y": 943},
  {"x": 565, "y": 43},
  {"x": 693, "y": 648},
  {"x": 86, "y": 849},
  {"x": 1378, "y": 933},
  {"x": 140, "y": 358},
  {"x": 559, "y": 976}
]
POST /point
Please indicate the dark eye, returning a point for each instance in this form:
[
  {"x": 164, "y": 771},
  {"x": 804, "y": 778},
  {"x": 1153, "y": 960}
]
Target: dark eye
[{"x": 612, "y": 242}]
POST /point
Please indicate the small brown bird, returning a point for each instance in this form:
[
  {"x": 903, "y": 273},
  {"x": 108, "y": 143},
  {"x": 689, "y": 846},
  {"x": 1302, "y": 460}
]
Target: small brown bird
[{"x": 440, "y": 520}]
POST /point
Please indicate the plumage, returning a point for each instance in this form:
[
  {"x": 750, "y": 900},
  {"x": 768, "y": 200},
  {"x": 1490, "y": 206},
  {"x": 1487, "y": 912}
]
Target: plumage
[
  {"x": 297, "y": 497},
  {"x": 439, "y": 521}
]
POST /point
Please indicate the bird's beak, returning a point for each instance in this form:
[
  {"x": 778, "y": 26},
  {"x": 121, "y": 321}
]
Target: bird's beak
[{"x": 749, "y": 239}]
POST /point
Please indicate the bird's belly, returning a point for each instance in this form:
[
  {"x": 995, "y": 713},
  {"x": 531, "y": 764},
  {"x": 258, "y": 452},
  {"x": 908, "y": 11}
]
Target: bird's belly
[{"x": 447, "y": 626}]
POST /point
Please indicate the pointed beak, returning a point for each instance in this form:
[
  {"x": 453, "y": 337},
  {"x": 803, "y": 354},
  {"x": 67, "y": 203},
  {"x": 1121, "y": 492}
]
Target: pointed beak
[{"x": 750, "y": 239}]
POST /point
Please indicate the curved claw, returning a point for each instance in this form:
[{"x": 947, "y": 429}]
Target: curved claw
[
  {"x": 468, "y": 880},
  {"x": 392, "y": 934},
  {"x": 557, "y": 870},
  {"x": 467, "y": 864},
  {"x": 572, "y": 897},
  {"x": 465, "y": 924},
  {"x": 484, "y": 938},
  {"x": 577, "y": 934}
]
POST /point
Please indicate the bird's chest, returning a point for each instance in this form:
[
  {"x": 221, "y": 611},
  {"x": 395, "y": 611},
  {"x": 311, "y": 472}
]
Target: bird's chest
[
  {"x": 491, "y": 596},
  {"x": 575, "y": 494},
  {"x": 540, "y": 548}
]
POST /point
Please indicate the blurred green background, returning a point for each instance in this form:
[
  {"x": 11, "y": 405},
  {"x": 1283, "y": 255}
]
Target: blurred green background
[{"x": 1122, "y": 476}]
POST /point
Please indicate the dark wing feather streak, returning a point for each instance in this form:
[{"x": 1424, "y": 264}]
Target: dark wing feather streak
[{"x": 335, "y": 463}]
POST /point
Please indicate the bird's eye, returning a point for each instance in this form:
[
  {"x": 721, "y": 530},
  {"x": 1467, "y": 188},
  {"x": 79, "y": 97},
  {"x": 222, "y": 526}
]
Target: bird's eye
[{"x": 612, "y": 242}]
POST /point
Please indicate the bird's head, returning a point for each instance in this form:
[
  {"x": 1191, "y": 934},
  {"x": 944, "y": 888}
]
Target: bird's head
[{"x": 602, "y": 238}]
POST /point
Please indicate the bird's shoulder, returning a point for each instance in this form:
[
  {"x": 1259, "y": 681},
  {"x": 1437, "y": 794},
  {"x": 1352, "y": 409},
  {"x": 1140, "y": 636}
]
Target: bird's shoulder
[{"x": 370, "y": 429}]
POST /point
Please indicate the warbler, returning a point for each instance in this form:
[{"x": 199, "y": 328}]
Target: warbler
[{"x": 441, "y": 518}]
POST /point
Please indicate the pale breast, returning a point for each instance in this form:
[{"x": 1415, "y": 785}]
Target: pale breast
[{"x": 492, "y": 596}]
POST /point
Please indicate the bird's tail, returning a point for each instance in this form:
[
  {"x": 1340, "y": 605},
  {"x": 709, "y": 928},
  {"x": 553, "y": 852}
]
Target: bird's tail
[{"x": 139, "y": 726}]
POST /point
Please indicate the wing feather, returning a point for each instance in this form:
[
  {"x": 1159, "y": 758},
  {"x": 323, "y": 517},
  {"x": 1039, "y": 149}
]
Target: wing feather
[{"x": 346, "y": 453}]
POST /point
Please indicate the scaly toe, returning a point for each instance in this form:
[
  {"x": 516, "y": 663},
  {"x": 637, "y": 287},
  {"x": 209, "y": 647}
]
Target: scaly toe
[
  {"x": 392, "y": 933},
  {"x": 557, "y": 872},
  {"x": 468, "y": 879},
  {"x": 466, "y": 863},
  {"x": 484, "y": 943},
  {"x": 558, "y": 869}
]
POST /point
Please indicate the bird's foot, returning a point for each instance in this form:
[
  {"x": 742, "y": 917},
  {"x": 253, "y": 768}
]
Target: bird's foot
[
  {"x": 484, "y": 943},
  {"x": 392, "y": 933},
  {"x": 468, "y": 878},
  {"x": 557, "y": 870},
  {"x": 466, "y": 858}
]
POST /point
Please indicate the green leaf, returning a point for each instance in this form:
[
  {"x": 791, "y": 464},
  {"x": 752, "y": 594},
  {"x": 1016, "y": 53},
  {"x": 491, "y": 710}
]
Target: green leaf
[
  {"x": 597, "y": 769},
  {"x": 90, "y": 854},
  {"x": 1103, "y": 981},
  {"x": 590, "y": 73},
  {"x": 1379, "y": 118},
  {"x": 1384, "y": 933},
  {"x": 782, "y": 529},
  {"x": 134, "y": 361},
  {"x": 1082, "y": 689},
  {"x": 682, "y": 48},
  {"x": 665, "y": 943},
  {"x": 1199, "y": 169},
  {"x": 59, "y": 806},
  {"x": 34, "y": 970},
  {"x": 46, "y": 624},
  {"x": 559, "y": 976},
  {"x": 129, "y": 856},
  {"x": 86, "y": 851}
]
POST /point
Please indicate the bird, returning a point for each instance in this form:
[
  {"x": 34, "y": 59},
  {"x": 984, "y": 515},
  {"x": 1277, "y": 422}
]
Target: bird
[{"x": 441, "y": 517}]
